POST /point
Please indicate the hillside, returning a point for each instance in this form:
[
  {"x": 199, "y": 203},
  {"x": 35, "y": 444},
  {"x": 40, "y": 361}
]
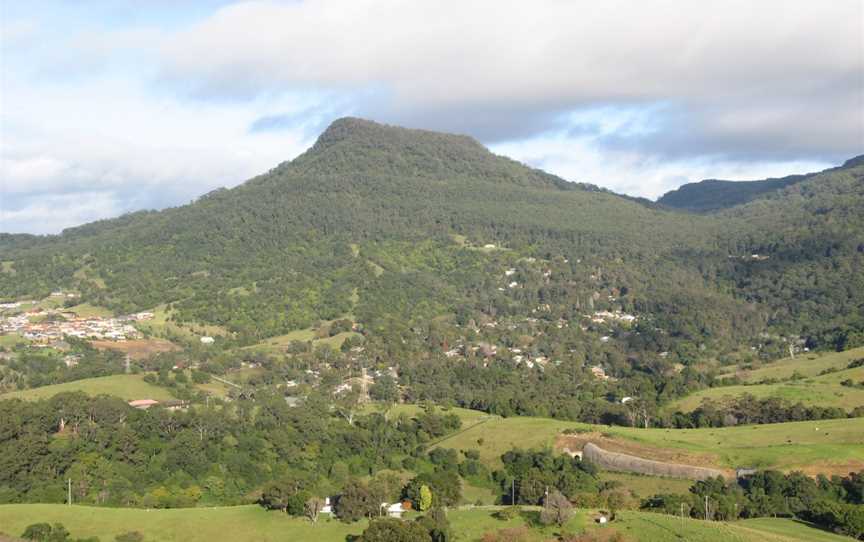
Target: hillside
[
  {"x": 713, "y": 194},
  {"x": 390, "y": 225},
  {"x": 812, "y": 380},
  {"x": 128, "y": 387},
  {"x": 251, "y": 523},
  {"x": 833, "y": 446}
]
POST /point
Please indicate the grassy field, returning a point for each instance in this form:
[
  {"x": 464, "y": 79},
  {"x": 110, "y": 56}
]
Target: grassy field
[
  {"x": 161, "y": 326},
  {"x": 791, "y": 528},
  {"x": 807, "y": 365},
  {"x": 832, "y": 446},
  {"x": 643, "y": 487},
  {"x": 127, "y": 387},
  {"x": 86, "y": 310},
  {"x": 252, "y": 523},
  {"x": 824, "y": 390},
  {"x": 11, "y": 340},
  {"x": 662, "y": 528},
  {"x": 280, "y": 342}
]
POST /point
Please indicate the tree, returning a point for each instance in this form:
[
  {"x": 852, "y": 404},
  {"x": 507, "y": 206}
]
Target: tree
[
  {"x": 615, "y": 501},
  {"x": 347, "y": 404},
  {"x": 394, "y": 530},
  {"x": 384, "y": 389},
  {"x": 556, "y": 509},
  {"x": 436, "y": 523},
  {"x": 313, "y": 508},
  {"x": 43, "y": 532},
  {"x": 356, "y": 502},
  {"x": 425, "y": 498}
]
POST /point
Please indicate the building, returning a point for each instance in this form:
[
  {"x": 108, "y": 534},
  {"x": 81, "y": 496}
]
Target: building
[
  {"x": 143, "y": 404},
  {"x": 394, "y": 510}
]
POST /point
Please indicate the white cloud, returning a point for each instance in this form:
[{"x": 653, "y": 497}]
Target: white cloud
[
  {"x": 105, "y": 117},
  {"x": 793, "y": 61}
]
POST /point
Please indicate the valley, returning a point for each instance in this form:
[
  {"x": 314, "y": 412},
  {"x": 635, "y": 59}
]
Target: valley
[{"x": 402, "y": 317}]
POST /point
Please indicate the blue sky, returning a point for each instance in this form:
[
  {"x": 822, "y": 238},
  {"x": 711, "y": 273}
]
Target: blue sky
[{"x": 109, "y": 107}]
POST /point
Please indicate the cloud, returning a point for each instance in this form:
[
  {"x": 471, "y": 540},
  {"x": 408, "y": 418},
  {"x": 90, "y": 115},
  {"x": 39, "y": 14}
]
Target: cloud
[
  {"x": 636, "y": 173},
  {"x": 744, "y": 72},
  {"x": 105, "y": 111}
]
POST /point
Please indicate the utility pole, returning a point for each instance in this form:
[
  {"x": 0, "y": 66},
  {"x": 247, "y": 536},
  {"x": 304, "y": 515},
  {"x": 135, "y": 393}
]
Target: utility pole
[
  {"x": 682, "y": 512},
  {"x": 69, "y": 492},
  {"x": 513, "y": 492},
  {"x": 706, "y": 507}
]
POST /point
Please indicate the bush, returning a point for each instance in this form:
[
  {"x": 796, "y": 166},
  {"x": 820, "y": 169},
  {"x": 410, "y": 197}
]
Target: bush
[{"x": 131, "y": 536}]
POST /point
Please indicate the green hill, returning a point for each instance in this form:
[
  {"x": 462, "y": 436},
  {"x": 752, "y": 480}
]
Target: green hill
[
  {"x": 813, "y": 446},
  {"x": 713, "y": 194},
  {"x": 252, "y": 523},
  {"x": 384, "y": 223},
  {"x": 128, "y": 387},
  {"x": 818, "y": 381},
  {"x": 805, "y": 365}
]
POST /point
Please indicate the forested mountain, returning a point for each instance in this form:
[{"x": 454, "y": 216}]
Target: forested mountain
[
  {"x": 398, "y": 227},
  {"x": 714, "y": 195}
]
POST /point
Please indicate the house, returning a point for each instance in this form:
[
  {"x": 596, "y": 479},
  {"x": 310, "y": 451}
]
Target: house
[
  {"x": 143, "y": 404},
  {"x": 327, "y": 508},
  {"x": 175, "y": 404},
  {"x": 394, "y": 510},
  {"x": 599, "y": 372}
]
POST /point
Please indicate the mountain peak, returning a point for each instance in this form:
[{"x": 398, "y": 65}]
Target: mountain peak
[{"x": 370, "y": 133}]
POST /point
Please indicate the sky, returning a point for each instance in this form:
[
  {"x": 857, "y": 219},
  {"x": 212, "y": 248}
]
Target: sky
[{"x": 115, "y": 106}]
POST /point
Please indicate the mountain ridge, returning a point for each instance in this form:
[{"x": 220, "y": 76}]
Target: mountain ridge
[
  {"x": 384, "y": 222},
  {"x": 710, "y": 195}
]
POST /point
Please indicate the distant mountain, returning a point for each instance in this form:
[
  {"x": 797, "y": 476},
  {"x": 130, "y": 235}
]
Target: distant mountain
[
  {"x": 399, "y": 228},
  {"x": 713, "y": 195}
]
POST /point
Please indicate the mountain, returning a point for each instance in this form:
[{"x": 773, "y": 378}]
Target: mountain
[
  {"x": 713, "y": 194},
  {"x": 398, "y": 228}
]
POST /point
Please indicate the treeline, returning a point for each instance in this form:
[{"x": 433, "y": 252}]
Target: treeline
[
  {"x": 835, "y": 503},
  {"x": 32, "y": 368},
  {"x": 119, "y": 456},
  {"x": 747, "y": 409}
]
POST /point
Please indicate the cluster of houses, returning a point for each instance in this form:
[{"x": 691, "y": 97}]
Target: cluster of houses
[
  {"x": 607, "y": 317},
  {"x": 47, "y": 326}
]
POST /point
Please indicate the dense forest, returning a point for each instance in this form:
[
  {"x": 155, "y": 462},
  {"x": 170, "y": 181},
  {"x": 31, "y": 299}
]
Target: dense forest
[{"x": 397, "y": 225}]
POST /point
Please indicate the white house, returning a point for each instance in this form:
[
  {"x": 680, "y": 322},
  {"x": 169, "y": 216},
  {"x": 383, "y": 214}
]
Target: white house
[
  {"x": 394, "y": 510},
  {"x": 327, "y": 508}
]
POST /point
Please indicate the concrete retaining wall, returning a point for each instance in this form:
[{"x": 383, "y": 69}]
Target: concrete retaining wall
[{"x": 630, "y": 463}]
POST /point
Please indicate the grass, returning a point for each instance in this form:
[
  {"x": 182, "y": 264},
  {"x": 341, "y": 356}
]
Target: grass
[
  {"x": 161, "y": 326},
  {"x": 806, "y": 365},
  {"x": 280, "y": 342},
  {"x": 662, "y": 528},
  {"x": 128, "y": 387},
  {"x": 254, "y": 524},
  {"x": 643, "y": 487},
  {"x": 12, "y": 339},
  {"x": 813, "y": 446},
  {"x": 472, "y": 494},
  {"x": 236, "y": 524},
  {"x": 791, "y": 528},
  {"x": 86, "y": 310},
  {"x": 824, "y": 390}
]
